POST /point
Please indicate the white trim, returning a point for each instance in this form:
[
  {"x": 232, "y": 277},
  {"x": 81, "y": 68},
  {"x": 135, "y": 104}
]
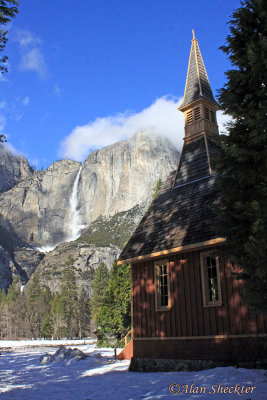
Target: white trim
[
  {"x": 204, "y": 282},
  {"x": 189, "y": 247},
  {"x": 157, "y": 264}
]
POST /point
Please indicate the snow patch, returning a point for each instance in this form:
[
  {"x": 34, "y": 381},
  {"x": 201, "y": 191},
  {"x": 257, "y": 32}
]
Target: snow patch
[
  {"x": 99, "y": 378},
  {"x": 47, "y": 249}
]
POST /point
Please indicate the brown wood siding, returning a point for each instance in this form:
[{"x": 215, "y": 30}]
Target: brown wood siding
[
  {"x": 149, "y": 298},
  {"x": 193, "y": 299},
  {"x": 182, "y": 297},
  {"x": 187, "y": 284},
  {"x": 224, "y": 309},
  {"x": 173, "y": 294},
  {"x": 187, "y": 316},
  {"x": 198, "y": 293},
  {"x": 143, "y": 327}
]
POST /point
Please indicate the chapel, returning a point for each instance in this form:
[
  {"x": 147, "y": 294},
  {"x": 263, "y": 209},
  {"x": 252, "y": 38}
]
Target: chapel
[{"x": 186, "y": 303}]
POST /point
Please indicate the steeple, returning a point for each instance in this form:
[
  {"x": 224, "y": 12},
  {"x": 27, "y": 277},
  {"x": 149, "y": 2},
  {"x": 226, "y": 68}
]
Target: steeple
[{"x": 199, "y": 106}]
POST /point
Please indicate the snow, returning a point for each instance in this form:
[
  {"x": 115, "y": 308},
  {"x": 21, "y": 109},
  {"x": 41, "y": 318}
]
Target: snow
[
  {"x": 100, "y": 377},
  {"x": 63, "y": 354}
]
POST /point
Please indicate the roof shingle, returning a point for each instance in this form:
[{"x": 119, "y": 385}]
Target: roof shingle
[
  {"x": 197, "y": 81},
  {"x": 181, "y": 213}
]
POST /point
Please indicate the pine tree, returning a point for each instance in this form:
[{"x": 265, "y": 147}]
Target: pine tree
[
  {"x": 37, "y": 307},
  {"x": 46, "y": 326},
  {"x": 58, "y": 317},
  {"x": 8, "y": 10},
  {"x": 70, "y": 297},
  {"x": 99, "y": 287},
  {"x": 242, "y": 162},
  {"x": 84, "y": 313},
  {"x": 114, "y": 317},
  {"x": 10, "y": 312}
]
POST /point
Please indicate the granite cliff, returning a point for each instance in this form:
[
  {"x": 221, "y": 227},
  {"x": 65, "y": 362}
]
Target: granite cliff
[
  {"x": 13, "y": 169},
  {"x": 51, "y": 206},
  {"x": 113, "y": 186}
]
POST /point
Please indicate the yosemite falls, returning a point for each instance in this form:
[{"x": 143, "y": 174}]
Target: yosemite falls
[
  {"x": 52, "y": 206},
  {"x": 74, "y": 218}
]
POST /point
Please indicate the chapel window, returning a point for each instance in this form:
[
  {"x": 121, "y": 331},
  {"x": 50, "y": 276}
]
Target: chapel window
[
  {"x": 162, "y": 285},
  {"x": 211, "y": 287}
]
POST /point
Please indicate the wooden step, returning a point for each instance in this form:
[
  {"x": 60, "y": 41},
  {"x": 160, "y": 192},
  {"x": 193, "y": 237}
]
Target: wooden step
[{"x": 126, "y": 353}]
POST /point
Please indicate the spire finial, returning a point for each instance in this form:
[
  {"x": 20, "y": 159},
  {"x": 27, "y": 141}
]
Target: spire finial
[{"x": 193, "y": 34}]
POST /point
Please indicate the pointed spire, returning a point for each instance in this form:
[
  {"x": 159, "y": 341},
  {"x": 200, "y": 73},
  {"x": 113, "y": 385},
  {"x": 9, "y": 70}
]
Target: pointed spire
[{"x": 197, "y": 82}]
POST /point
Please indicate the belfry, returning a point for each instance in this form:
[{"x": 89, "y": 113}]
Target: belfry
[{"x": 199, "y": 106}]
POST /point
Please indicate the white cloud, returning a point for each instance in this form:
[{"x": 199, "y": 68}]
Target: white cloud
[
  {"x": 32, "y": 55},
  {"x": 11, "y": 149},
  {"x": 25, "y": 101},
  {"x": 33, "y": 60},
  {"x": 3, "y": 104},
  {"x": 162, "y": 116},
  {"x": 222, "y": 120},
  {"x": 27, "y": 38}
]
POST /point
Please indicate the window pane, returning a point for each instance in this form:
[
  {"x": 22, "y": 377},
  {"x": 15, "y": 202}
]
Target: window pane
[
  {"x": 212, "y": 279},
  {"x": 163, "y": 285}
]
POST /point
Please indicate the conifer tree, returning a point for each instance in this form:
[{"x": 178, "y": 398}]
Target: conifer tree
[
  {"x": 8, "y": 10},
  {"x": 46, "y": 326},
  {"x": 70, "y": 297},
  {"x": 9, "y": 312},
  {"x": 99, "y": 288},
  {"x": 242, "y": 162},
  {"x": 84, "y": 314},
  {"x": 114, "y": 317},
  {"x": 37, "y": 306},
  {"x": 58, "y": 317}
]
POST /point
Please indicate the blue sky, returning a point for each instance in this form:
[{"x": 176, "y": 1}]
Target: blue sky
[{"x": 85, "y": 74}]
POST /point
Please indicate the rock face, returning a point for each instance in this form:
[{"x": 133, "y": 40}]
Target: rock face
[
  {"x": 101, "y": 242},
  {"x": 118, "y": 177},
  {"x": 86, "y": 259},
  {"x": 104, "y": 198},
  {"x": 6, "y": 268},
  {"x": 13, "y": 169},
  {"x": 37, "y": 209},
  {"x": 50, "y": 206},
  {"x": 27, "y": 260}
]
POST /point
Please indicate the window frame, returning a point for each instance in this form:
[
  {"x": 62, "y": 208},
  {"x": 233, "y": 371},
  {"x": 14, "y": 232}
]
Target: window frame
[
  {"x": 204, "y": 280},
  {"x": 157, "y": 264}
]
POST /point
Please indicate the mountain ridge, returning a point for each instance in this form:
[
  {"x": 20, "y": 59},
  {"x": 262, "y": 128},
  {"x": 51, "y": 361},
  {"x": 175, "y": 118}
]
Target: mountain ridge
[{"x": 42, "y": 209}]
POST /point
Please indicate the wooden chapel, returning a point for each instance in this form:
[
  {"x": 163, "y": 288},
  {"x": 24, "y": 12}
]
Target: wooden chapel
[{"x": 186, "y": 304}]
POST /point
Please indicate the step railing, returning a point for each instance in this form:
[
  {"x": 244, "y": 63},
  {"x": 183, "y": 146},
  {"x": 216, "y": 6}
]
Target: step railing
[{"x": 125, "y": 340}]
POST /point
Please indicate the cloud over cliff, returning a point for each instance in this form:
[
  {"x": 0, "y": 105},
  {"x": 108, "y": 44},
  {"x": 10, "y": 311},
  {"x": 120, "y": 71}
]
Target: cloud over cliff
[{"x": 162, "y": 117}]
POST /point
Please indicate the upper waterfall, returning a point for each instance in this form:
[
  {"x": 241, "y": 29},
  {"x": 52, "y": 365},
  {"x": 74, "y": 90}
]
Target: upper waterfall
[{"x": 74, "y": 220}]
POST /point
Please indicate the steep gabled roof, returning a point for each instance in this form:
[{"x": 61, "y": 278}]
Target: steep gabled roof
[
  {"x": 181, "y": 214},
  {"x": 197, "y": 82}
]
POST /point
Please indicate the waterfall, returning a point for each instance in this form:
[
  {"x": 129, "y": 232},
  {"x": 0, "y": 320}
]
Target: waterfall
[{"x": 74, "y": 224}]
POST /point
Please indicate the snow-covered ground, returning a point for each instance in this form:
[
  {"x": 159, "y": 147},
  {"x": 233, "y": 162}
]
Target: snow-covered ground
[{"x": 98, "y": 377}]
